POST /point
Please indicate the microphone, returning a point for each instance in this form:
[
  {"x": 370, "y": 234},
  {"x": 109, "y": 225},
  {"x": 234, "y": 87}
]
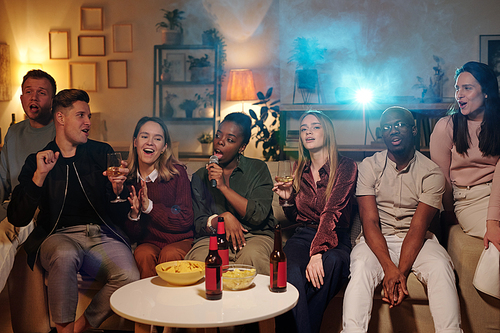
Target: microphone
[{"x": 213, "y": 159}]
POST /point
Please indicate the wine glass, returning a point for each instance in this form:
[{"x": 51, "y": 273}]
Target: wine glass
[
  {"x": 284, "y": 175},
  {"x": 114, "y": 164}
]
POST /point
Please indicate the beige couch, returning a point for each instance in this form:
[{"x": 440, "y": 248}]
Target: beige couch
[{"x": 30, "y": 312}]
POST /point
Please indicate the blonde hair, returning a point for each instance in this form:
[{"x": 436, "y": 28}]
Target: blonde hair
[
  {"x": 331, "y": 146},
  {"x": 164, "y": 164}
]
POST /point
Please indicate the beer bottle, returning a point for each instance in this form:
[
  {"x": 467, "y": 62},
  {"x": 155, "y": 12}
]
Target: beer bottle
[
  {"x": 213, "y": 271},
  {"x": 278, "y": 263},
  {"x": 13, "y": 116},
  {"x": 222, "y": 243}
]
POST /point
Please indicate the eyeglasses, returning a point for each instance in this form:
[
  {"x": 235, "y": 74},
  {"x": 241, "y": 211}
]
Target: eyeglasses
[{"x": 397, "y": 126}]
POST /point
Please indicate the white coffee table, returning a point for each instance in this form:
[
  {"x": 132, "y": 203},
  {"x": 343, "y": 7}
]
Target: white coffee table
[{"x": 153, "y": 301}]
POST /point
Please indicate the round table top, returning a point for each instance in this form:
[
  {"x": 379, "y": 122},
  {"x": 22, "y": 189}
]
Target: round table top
[{"x": 154, "y": 301}]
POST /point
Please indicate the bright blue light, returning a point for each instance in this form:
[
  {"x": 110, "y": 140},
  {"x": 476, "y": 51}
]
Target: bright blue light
[{"x": 364, "y": 96}]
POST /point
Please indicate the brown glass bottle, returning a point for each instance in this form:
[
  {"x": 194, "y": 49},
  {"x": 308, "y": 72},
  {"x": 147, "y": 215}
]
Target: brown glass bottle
[
  {"x": 213, "y": 271},
  {"x": 13, "y": 120},
  {"x": 277, "y": 264},
  {"x": 222, "y": 244}
]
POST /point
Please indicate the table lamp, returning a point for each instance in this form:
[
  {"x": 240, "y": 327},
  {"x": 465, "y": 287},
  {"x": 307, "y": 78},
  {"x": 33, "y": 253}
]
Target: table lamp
[{"x": 241, "y": 86}]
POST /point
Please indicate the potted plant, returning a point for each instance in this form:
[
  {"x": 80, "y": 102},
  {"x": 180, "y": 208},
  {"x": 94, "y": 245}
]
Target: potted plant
[
  {"x": 207, "y": 101},
  {"x": 205, "y": 139},
  {"x": 214, "y": 37},
  {"x": 307, "y": 54},
  {"x": 171, "y": 30},
  {"x": 433, "y": 93},
  {"x": 267, "y": 134},
  {"x": 165, "y": 68},
  {"x": 189, "y": 106},
  {"x": 168, "y": 110},
  {"x": 199, "y": 68}
]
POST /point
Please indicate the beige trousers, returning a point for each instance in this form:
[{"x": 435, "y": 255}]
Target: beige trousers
[{"x": 471, "y": 206}]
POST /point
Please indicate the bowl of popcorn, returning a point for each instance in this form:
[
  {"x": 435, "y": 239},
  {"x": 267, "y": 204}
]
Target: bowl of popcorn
[
  {"x": 181, "y": 272},
  {"x": 238, "y": 276}
]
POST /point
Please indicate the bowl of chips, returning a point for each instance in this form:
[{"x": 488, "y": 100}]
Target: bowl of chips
[
  {"x": 238, "y": 276},
  {"x": 181, "y": 272}
]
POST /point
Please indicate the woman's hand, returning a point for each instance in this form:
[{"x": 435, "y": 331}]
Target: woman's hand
[
  {"x": 215, "y": 172},
  {"x": 143, "y": 196},
  {"x": 234, "y": 230},
  {"x": 314, "y": 270},
  {"x": 133, "y": 199},
  {"x": 284, "y": 190},
  {"x": 492, "y": 234}
]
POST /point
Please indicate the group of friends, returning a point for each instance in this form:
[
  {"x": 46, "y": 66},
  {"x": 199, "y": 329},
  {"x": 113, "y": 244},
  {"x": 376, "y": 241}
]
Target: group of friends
[{"x": 61, "y": 206}]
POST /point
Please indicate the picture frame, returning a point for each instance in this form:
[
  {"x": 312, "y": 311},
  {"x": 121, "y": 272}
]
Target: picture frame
[
  {"x": 122, "y": 38},
  {"x": 177, "y": 67},
  {"x": 83, "y": 75},
  {"x": 91, "y": 19},
  {"x": 91, "y": 46},
  {"x": 489, "y": 52},
  {"x": 117, "y": 74},
  {"x": 59, "y": 44}
]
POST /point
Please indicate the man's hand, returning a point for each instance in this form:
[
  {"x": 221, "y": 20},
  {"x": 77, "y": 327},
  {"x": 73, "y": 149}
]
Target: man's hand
[
  {"x": 394, "y": 285},
  {"x": 492, "y": 234},
  {"x": 118, "y": 181},
  {"x": 234, "y": 230},
  {"x": 45, "y": 161},
  {"x": 314, "y": 270}
]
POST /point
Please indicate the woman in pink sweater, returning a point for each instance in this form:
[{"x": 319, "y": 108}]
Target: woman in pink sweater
[
  {"x": 466, "y": 146},
  {"x": 161, "y": 213}
]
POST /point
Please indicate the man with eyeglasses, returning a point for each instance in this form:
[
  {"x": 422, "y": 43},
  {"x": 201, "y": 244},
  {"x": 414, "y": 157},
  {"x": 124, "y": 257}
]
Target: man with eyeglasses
[{"x": 399, "y": 191}]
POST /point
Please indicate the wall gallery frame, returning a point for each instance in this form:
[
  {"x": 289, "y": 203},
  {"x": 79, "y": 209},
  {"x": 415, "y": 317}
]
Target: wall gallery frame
[
  {"x": 122, "y": 38},
  {"x": 117, "y": 74},
  {"x": 90, "y": 19},
  {"x": 489, "y": 49},
  {"x": 91, "y": 46},
  {"x": 58, "y": 44},
  {"x": 83, "y": 75},
  {"x": 5, "y": 80}
]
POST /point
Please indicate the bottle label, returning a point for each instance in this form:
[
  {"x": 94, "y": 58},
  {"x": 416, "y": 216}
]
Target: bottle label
[
  {"x": 281, "y": 274},
  {"x": 224, "y": 254},
  {"x": 212, "y": 278}
]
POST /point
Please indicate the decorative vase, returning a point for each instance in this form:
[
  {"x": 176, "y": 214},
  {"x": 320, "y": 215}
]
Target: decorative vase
[
  {"x": 205, "y": 148},
  {"x": 166, "y": 77},
  {"x": 207, "y": 112},
  {"x": 171, "y": 37},
  {"x": 189, "y": 113},
  {"x": 167, "y": 111}
]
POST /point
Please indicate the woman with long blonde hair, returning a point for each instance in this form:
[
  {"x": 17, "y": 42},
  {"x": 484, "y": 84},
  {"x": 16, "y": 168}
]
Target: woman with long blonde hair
[
  {"x": 161, "y": 212},
  {"x": 322, "y": 196}
]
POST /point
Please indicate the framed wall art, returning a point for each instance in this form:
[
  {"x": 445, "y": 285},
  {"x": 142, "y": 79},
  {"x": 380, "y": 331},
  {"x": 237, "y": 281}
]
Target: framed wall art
[
  {"x": 90, "y": 19},
  {"x": 58, "y": 45},
  {"x": 83, "y": 75},
  {"x": 122, "y": 38},
  {"x": 176, "y": 63},
  {"x": 91, "y": 46},
  {"x": 117, "y": 74}
]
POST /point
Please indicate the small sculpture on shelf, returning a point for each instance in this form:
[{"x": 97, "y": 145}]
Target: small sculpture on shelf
[
  {"x": 199, "y": 68},
  {"x": 189, "y": 106},
  {"x": 165, "y": 68}
]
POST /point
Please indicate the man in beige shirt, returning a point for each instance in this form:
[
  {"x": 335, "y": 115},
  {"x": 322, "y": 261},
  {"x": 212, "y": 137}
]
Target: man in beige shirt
[{"x": 399, "y": 191}]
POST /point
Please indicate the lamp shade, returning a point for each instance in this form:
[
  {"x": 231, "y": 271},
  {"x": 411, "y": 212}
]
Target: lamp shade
[{"x": 241, "y": 86}]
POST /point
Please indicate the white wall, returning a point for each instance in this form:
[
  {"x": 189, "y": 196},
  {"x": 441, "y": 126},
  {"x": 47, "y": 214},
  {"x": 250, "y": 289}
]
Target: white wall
[
  {"x": 25, "y": 26},
  {"x": 383, "y": 43}
]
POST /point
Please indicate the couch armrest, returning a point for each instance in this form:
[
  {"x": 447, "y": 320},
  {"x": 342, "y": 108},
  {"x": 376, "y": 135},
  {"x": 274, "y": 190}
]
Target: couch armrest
[{"x": 28, "y": 297}]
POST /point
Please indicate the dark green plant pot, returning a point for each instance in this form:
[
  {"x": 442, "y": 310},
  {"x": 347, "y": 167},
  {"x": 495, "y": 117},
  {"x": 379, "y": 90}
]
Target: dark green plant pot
[
  {"x": 189, "y": 113},
  {"x": 307, "y": 78},
  {"x": 201, "y": 74}
]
